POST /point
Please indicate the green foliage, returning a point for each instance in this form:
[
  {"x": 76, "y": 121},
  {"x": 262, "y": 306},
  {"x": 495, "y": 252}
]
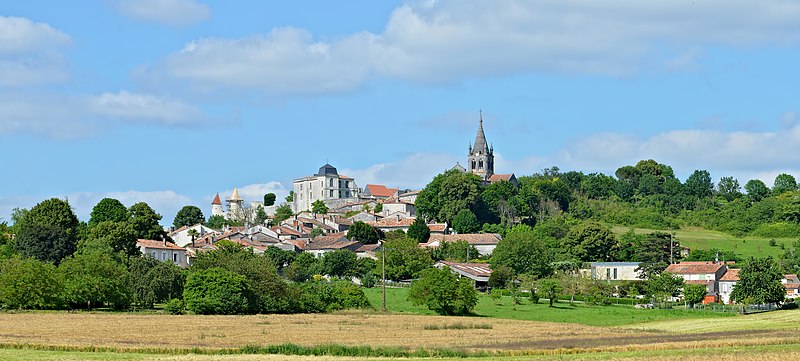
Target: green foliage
[
  {"x": 340, "y": 263},
  {"x": 316, "y": 232},
  {"x": 756, "y": 190},
  {"x": 116, "y": 236},
  {"x": 784, "y": 183},
  {"x": 323, "y": 297},
  {"x": 652, "y": 251},
  {"x": 6, "y": 245},
  {"x": 378, "y": 208},
  {"x": 458, "y": 251},
  {"x": 500, "y": 277},
  {"x": 712, "y": 254},
  {"x": 443, "y": 292},
  {"x": 216, "y": 291},
  {"x": 269, "y": 290},
  {"x": 153, "y": 281},
  {"x": 145, "y": 222},
  {"x": 52, "y": 212},
  {"x": 364, "y": 233},
  {"x": 395, "y": 234},
  {"x": 269, "y": 199},
  {"x": 26, "y": 283},
  {"x": 597, "y": 186},
  {"x": 44, "y": 242},
  {"x": 448, "y": 194},
  {"x": 550, "y": 288},
  {"x": 404, "y": 259},
  {"x": 303, "y": 267},
  {"x": 728, "y": 188},
  {"x": 590, "y": 242},
  {"x": 95, "y": 279},
  {"x": 664, "y": 285},
  {"x": 280, "y": 258},
  {"x": 108, "y": 209},
  {"x": 465, "y": 222},
  {"x": 694, "y": 294},
  {"x": 523, "y": 252},
  {"x": 290, "y": 197},
  {"x": 759, "y": 282},
  {"x": 217, "y": 222},
  {"x": 419, "y": 231},
  {"x": 175, "y": 306},
  {"x": 188, "y": 216},
  {"x": 283, "y": 212},
  {"x": 319, "y": 207},
  {"x": 699, "y": 184}
]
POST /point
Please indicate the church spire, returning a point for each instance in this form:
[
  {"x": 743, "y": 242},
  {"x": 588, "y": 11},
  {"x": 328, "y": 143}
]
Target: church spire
[{"x": 480, "y": 139}]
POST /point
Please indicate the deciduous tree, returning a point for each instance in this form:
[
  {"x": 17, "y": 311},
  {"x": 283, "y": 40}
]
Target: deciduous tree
[
  {"x": 444, "y": 293},
  {"x": 759, "y": 282},
  {"x": 108, "y": 209},
  {"x": 188, "y": 216},
  {"x": 523, "y": 252},
  {"x": 419, "y": 231}
]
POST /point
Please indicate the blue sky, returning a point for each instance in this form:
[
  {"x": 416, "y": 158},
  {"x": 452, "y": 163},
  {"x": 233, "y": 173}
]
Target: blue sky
[{"x": 171, "y": 101}]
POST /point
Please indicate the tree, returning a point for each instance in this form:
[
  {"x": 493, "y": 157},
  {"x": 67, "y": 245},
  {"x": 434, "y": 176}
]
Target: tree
[
  {"x": 52, "y": 212},
  {"x": 457, "y": 251},
  {"x": 364, "y": 233},
  {"x": 216, "y": 222},
  {"x": 728, "y": 188},
  {"x": 303, "y": 267},
  {"x": 419, "y": 231},
  {"x": 590, "y": 242},
  {"x": 444, "y": 293},
  {"x": 500, "y": 277},
  {"x": 290, "y": 197},
  {"x": 280, "y": 258},
  {"x": 550, "y": 288},
  {"x": 340, "y": 263},
  {"x": 269, "y": 199},
  {"x": 523, "y": 252},
  {"x": 26, "y": 283},
  {"x": 216, "y": 291},
  {"x": 699, "y": 184},
  {"x": 188, "y": 216},
  {"x": 597, "y": 186},
  {"x": 405, "y": 259},
  {"x": 118, "y": 236},
  {"x": 145, "y": 222},
  {"x": 94, "y": 279},
  {"x": 756, "y": 190},
  {"x": 108, "y": 209},
  {"x": 46, "y": 243},
  {"x": 466, "y": 222},
  {"x": 319, "y": 207},
  {"x": 154, "y": 281},
  {"x": 664, "y": 285},
  {"x": 283, "y": 212},
  {"x": 316, "y": 232},
  {"x": 261, "y": 216},
  {"x": 448, "y": 194},
  {"x": 378, "y": 208},
  {"x": 784, "y": 183},
  {"x": 694, "y": 294},
  {"x": 759, "y": 282},
  {"x": 654, "y": 252}
]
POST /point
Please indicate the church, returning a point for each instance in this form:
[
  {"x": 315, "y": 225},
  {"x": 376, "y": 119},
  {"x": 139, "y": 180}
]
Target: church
[{"x": 480, "y": 159}]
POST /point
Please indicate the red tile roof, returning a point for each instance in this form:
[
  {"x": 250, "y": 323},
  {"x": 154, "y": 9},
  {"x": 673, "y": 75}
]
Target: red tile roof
[
  {"x": 216, "y": 200},
  {"x": 369, "y": 248},
  {"x": 730, "y": 275},
  {"x": 153, "y": 244},
  {"x": 437, "y": 227},
  {"x": 693, "y": 268},
  {"x": 392, "y": 222},
  {"x": 791, "y": 285},
  {"x": 379, "y": 190},
  {"x": 331, "y": 241},
  {"x": 500, "y": 177},
  {"x": 472, "y": 238}
]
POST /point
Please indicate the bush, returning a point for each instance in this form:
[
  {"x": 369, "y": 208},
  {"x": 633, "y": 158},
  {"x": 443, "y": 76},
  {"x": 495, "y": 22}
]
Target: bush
[
  {"x": 29, "y": 284},
  {"x": 318, "y": 297},
  {"x": 216, "y": 291},
  {"x": 777, "y": 230},
  {"x": 441, "y": 291},
  {"x": 174, "y": 306}
]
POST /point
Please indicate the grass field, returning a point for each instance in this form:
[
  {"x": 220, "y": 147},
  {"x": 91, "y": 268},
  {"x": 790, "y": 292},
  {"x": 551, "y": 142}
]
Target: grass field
[
  {"x": 115, "y": 336},
  {"x": 699, "y": 238},
  {"x": 397, "y": 301}
]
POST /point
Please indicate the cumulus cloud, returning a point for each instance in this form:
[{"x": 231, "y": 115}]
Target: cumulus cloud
[
  {"x": 143, "y": 107},
  {"x": 435, "y": 42},
  {"x": 256, "y": 192},
  {"x": 166, "y": 12},
  {"x": 413, "y": 171},
  {"x": 30, "y": 53}
]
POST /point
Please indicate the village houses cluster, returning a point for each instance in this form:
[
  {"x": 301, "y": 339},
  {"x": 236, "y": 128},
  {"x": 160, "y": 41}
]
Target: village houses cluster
[{"x": 347, "y": 203}]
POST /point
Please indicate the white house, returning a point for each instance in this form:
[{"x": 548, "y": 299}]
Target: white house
[
  {"x": 614, "y": 271},
  {"x": 327, "y": 185},
  {"x": 329, "y": 243},
  {"x": 163, "y": 251},
  {"x": 181, "y": 235},
  {"x": 726, "y": 284}
]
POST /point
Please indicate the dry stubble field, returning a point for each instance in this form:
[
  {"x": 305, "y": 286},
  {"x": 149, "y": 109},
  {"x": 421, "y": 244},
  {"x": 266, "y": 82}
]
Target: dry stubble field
[{"x": 500, "y": 337}]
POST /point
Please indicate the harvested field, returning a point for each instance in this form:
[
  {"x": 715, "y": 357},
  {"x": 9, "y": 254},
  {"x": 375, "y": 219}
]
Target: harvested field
[{"x": 510, "y": 337}]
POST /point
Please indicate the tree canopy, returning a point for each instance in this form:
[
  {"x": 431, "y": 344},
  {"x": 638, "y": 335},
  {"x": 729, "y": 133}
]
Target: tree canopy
[
  {"x": 759, "y": 282},
  {"x": 523, "y": 252},
  {"x": 188, "y": 216},
  {"x": 109, "y": 209}
]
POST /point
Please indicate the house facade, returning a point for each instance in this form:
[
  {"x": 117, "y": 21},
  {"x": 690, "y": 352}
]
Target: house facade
[
  {"x": 614, "y": 271},
  {"x": 333, "y": 242},
  {"x": 701, "y": 273},
  {"x": 163, "y": 251},
  {"x": 327, "y": 185}
]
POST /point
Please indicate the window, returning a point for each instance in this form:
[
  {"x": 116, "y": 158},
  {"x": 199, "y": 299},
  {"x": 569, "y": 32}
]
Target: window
[
  {"x": 608, "y": 273},
  {"x": 330, "y": 182},
  {"x": 615, "y": 273},
  {"x": 164, "y": 255},
  {"x": 331, "y": 193},
  {"x": 480, "y": 164},
  {"x": 175, "y": 257},
  {"x": 347, "y": 184},
  {"x": 473, "y": 164},
  {"x": 155, "y": 255}
]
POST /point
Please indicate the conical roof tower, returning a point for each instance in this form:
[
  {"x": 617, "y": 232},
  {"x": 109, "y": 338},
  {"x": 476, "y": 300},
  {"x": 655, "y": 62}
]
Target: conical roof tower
[{"x": 480, "y": 139}]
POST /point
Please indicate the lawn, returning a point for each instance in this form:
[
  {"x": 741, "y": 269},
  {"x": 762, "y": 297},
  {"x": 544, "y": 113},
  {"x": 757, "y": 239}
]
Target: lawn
[
  {"x": 700, "y": 238},
  {"x": 613, "y": 315}
]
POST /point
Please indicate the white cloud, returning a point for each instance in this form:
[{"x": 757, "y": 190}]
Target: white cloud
[
  {"x": 413, "y": 171},
  {"x": 447, "y": 41},
  {"x": 167, "y": 12},
  {"x": 256, "y": 192},
  {"x": 30, "y": 53},
  {"x": 143, "y": 107}
]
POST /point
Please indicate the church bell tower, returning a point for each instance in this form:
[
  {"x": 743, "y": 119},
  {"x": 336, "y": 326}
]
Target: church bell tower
[{"x": 480, "y": 160}]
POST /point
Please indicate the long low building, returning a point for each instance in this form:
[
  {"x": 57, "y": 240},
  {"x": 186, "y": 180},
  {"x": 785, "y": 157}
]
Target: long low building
[
  {"x": 485, "y": 243},
  {"x": 477, "y": 272}
]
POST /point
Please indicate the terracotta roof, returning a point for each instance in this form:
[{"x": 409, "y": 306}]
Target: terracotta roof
[
  {"x": 792, "y": 278},
  {"x": 379, "y": 190},
  {"x": 693, "y": 268},
  {"x": 412, "y": 193},
  {"x": 730, "y": 275},
  {"x": 216, "y": 200},
  {"x": 791, "y": 285},
  {"x": 697, "y": 282},
  {"x": 315, "y": 222},
  {"x": 500, "y": 177},
  {"x": 392, "y": 222},
  {"x": 437, "y": 227},
  {"x": 153, "y": 244},
  {"x": 475, "y": 269},
  {"x": 472, "y": 238},
  {"x": 369, "y": 248},
  {"x": 331, "y": 241}
]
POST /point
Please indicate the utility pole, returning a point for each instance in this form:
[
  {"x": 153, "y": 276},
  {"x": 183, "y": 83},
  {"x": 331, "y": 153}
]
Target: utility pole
[{"x": 383, "y": 276}]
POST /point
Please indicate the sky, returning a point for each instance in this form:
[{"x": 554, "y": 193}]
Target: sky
[{"x": 172, "y": 101}]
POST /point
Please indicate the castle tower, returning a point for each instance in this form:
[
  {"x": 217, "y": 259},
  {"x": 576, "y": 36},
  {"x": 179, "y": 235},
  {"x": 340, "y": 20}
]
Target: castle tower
[
  {"x": 480, "y": 160},
  {"x": 234, "y": 204},
  {"x": 216, "y": 207}
]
